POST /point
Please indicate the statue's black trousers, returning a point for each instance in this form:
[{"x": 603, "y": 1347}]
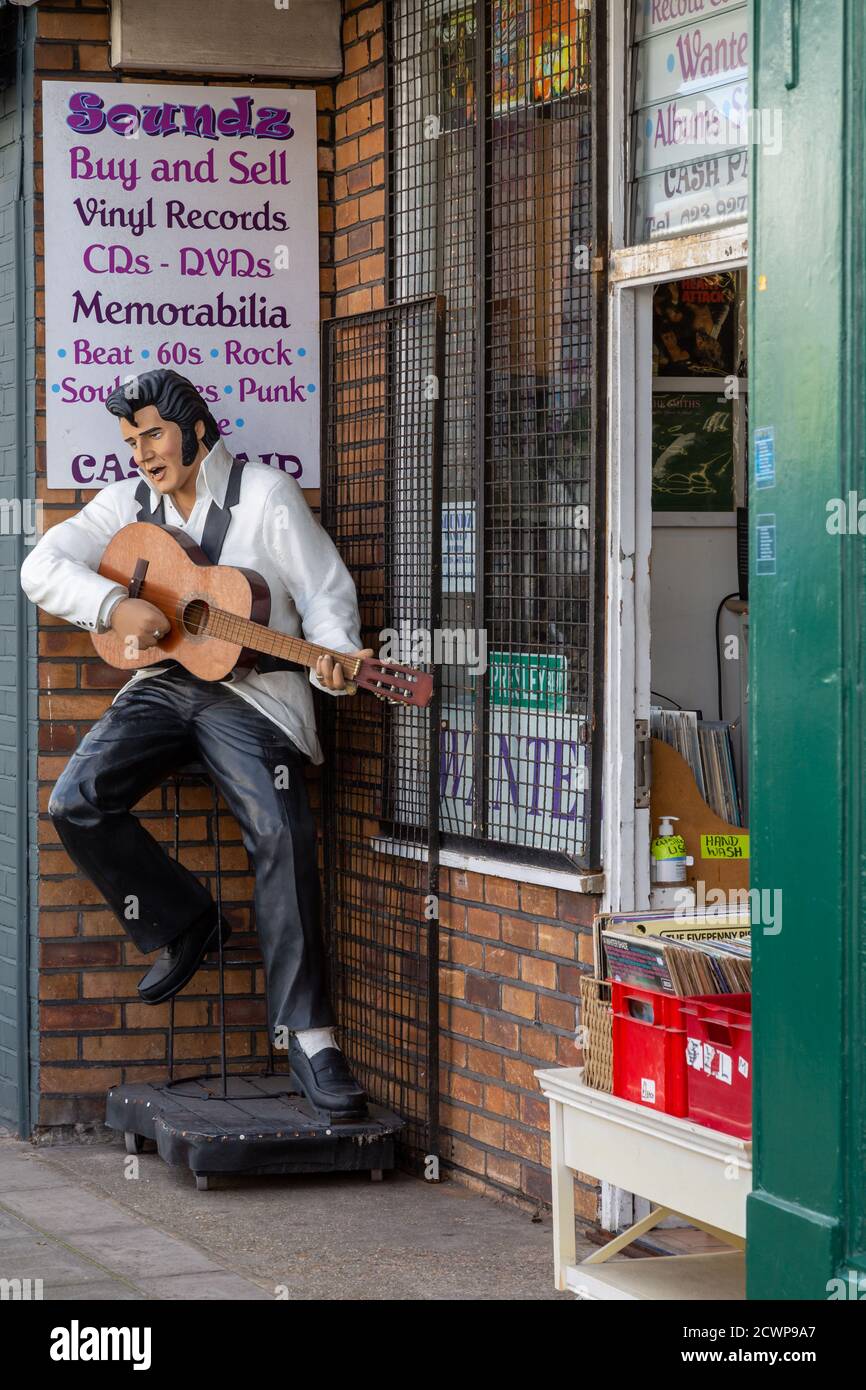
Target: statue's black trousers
[{"x": 160, "y": 724}]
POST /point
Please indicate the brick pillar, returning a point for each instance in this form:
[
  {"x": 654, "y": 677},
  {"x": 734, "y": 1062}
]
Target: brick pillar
[{"x": 359, "y": 164}]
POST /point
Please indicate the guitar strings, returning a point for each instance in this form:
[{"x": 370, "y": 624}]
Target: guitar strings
[{"x": 230, "y": 627}]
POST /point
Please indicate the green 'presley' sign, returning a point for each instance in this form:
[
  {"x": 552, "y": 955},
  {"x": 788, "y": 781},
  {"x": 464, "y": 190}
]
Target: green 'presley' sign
[{"x": 528, "y": 680}]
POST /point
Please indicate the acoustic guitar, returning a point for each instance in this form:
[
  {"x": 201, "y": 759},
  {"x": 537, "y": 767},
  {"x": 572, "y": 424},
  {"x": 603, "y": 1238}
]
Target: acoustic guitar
[{"x": 219, "y": 617}]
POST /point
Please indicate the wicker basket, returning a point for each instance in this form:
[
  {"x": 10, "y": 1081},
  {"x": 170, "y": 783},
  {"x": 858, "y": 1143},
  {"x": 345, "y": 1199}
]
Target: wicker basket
[{"x": 596, "y": 1019}]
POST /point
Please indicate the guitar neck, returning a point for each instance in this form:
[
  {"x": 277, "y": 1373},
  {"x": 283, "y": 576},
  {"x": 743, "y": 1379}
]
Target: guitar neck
[{"x": 229, "y": 628}]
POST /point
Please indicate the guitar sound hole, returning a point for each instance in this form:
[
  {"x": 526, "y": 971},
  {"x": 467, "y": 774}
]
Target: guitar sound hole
[{"x": 196, "y": 616}]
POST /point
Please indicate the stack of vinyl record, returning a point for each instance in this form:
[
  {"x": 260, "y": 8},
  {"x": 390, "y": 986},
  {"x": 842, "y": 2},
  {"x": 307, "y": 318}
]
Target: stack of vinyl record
[
  {"x": 683, "y": 967},
  {"x": 706, "y": 746}
]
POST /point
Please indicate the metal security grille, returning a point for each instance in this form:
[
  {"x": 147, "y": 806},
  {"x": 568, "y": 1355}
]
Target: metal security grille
[
  {"x": 382, "y": 417},
  {"x": 495, "y": 202}
]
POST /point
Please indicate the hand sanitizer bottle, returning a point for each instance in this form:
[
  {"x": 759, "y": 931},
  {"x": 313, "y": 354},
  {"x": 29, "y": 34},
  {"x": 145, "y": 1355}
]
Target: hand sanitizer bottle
[{"x": 668, "y": 852}]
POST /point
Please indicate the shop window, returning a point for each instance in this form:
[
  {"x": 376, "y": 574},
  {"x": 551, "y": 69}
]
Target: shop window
[{"x": 493, "y": 152}]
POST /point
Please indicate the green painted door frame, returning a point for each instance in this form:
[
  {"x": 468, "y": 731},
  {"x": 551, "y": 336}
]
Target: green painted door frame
[{"x": 806, "y": 1214}]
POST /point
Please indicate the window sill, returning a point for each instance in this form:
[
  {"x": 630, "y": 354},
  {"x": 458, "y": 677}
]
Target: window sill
[{"x": 496, "y": 868}]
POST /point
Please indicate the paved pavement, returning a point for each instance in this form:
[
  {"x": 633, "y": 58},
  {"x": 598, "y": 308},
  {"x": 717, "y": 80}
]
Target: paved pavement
[{"x": 93, "y": 1223}]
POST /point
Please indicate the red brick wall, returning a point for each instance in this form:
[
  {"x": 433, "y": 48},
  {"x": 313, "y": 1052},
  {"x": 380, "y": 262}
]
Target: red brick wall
[
  {"x": 511, "y": 953},
  {"x": 359, "y": 163},
  {"x": 94, "y": 1030}
]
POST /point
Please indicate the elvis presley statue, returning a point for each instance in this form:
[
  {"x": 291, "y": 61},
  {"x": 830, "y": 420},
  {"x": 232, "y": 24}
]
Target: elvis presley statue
[{"x": 241, "y": 731}]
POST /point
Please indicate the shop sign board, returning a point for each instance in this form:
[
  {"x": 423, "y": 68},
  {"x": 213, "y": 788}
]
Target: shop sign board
[
  {"x": 538, "y": 778},
  {"x": 691, "y": 116},
  {"x": 683, "y": 61},
  {"x": 538, "y": 785},
  {"x": 689, "y": 197},
  {"x": 658, "y": 16},
  {"x": 181, "y": 231}
]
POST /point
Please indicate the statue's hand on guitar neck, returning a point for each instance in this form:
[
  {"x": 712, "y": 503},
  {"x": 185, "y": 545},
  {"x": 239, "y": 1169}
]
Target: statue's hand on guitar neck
[{"x": 332, "y": 675}]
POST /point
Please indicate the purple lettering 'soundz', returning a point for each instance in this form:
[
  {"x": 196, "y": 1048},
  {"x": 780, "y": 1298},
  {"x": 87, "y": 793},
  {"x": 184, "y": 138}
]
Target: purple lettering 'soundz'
[{"x": 239, "y": 120}]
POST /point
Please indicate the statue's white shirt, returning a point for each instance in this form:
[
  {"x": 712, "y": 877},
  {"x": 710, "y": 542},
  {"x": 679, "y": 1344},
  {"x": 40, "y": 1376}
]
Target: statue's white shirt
[{"x": 272, "y": 531}]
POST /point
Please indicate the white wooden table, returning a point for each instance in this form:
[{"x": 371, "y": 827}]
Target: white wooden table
[{"x": 683, "y": 1168}]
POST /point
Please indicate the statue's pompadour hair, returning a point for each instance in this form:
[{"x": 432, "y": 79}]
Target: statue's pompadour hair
[{"x": 175, "y": 398}]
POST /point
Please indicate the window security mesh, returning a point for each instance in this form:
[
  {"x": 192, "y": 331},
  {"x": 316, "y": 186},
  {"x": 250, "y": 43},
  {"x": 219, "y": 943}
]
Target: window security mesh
[
  {"x": 493, "y": 204},
  {"x": 381, "y": 480}
]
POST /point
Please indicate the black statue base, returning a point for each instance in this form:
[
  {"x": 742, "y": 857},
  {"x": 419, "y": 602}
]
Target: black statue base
[{"x": 264, "y": 1125}]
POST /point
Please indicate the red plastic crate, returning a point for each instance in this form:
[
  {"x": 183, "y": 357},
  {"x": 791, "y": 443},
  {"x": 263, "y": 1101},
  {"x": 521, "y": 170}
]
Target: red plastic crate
[
  {"x": 719, "y": 1061},
  {"x": 649, "y": 1053}
]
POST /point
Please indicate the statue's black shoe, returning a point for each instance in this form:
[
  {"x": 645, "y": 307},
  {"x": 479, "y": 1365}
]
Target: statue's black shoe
[
  {"x": 179, "y": 960},
  {"x": 328, "y": 1083}
]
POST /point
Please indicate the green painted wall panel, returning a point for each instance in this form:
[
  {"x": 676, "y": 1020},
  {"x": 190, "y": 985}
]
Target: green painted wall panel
[{"x": 804, "y": 783}]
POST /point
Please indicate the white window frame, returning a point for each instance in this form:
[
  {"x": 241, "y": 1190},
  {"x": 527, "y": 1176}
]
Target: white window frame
[{"x": 632, "y": 273}]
